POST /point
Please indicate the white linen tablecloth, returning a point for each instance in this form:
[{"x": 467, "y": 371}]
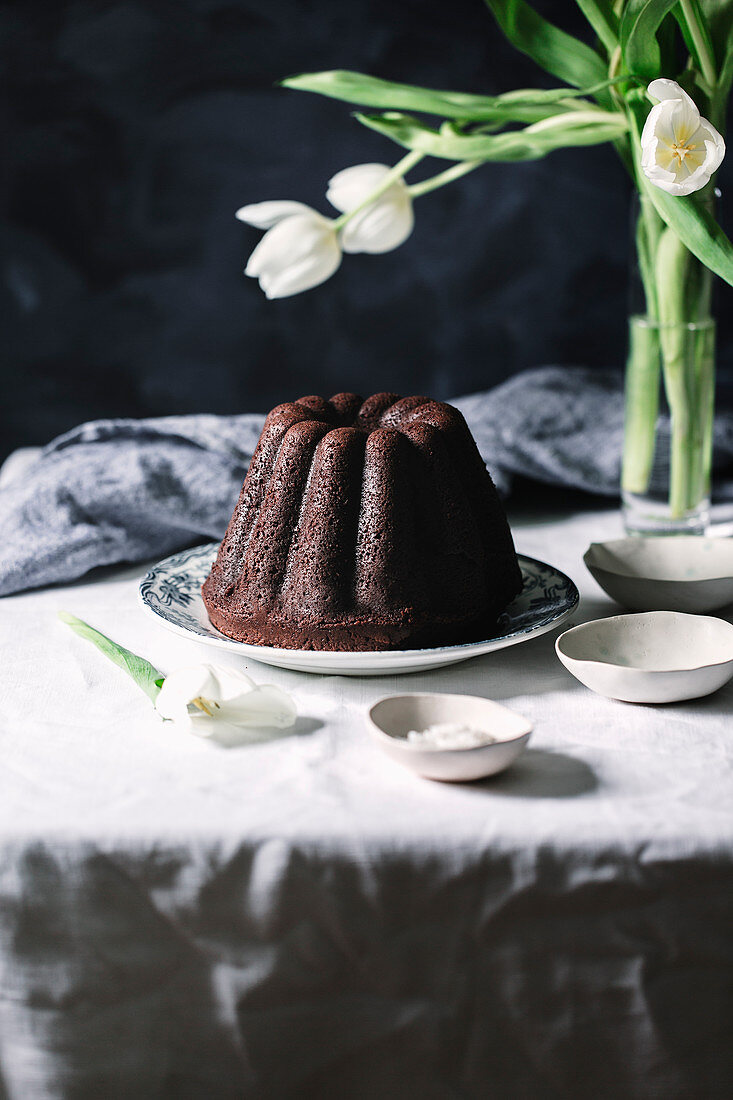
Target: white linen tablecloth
[{"x": 304, "y": 918}]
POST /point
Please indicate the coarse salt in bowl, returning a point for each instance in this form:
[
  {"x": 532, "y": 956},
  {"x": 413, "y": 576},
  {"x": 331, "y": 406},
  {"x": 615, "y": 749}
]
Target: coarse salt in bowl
[{"x": 484, "y": 736}]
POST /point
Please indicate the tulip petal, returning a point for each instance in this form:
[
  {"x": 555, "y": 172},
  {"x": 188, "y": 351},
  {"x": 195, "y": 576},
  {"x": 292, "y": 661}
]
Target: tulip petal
[
  {"x": 210, "y": 700},
  {"x": 382, "y": 225},
  {"x": 683, "y": 119},
  {"x": 365, "y": 174},
  {"x": 290, "y": 239},
  {"x": 293, "y": 237},
  {"x": 181, "y": 687},
  {"x": 352, "y": 185},
  {"x": 263, "y": 215},
  {"x": 714, "y": 144},
  {"x": 266, "y": 707},
  {"x": 379, "y": 228},
  {"x": 296, "y": 254},
  {"x": 665, "y": 89},
  {"x": 231, "y": 683},
  {"x": 309, "y": 273},
  {"x": 649, "y": 133}
]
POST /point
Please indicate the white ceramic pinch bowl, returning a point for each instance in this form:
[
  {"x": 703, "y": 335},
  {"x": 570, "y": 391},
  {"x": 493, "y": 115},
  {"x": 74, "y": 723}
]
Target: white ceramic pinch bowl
[
  {"x": 391, "y": 719},
  {"x": 657, "y": 657},
  {"x": 665, "y": 573}
]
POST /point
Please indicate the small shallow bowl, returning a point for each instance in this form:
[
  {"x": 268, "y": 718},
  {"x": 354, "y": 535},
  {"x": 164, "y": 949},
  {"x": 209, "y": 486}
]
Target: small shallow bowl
[
  {"x": 657, "y": 657},
  {"x": 392, "y": 718},
  {"x": 665, "y": 573}
]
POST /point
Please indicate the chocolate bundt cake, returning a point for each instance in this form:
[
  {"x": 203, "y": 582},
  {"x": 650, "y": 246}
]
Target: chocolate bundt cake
[{"x": 363, "y": 525}]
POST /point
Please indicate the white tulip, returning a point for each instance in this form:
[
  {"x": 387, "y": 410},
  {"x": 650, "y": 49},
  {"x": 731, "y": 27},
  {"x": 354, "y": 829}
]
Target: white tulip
[
  {"x": 212, "y": 701},
  {"x": 300, "y": 249},
  {"x": 680, "y": 150},
  {"x": 383, "y": 224}
]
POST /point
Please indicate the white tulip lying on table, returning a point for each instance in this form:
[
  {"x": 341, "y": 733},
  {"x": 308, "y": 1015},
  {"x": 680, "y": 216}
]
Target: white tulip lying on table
[{"x": 205, "y": 699}]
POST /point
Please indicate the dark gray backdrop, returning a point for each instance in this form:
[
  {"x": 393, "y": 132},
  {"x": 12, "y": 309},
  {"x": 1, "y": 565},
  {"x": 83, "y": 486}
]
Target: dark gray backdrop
[{"x": 136, "y": 130}]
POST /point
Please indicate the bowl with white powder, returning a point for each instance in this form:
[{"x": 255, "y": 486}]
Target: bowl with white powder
[{"x": 454, "y": 738}]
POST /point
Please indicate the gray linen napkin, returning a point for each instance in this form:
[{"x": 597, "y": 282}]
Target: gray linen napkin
[{"x": 128, "y": 490}]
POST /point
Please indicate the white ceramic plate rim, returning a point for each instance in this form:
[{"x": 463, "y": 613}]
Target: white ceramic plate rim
[
  {"x": 368, "y": 662},
  {"x": 633, "y": 670},
  {"x": 411, "y": 746}
]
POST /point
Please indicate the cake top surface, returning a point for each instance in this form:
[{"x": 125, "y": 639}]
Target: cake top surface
[{"x": 381, "y": 410}]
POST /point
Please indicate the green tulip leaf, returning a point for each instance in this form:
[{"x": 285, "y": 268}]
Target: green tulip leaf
[
  {"x": 604, "y": 21},
  {"x": 587, "y": 128},
  {"x": 638, "y": 35},
  {"x": 718, "y": 16},
  {"x": 703, "y": 29},
  {"x": 523, "y": 105},
  {"x": 558, "y": 53},
  {"x": 726, "y": 70},
  {"x": 719, "y": 97}
]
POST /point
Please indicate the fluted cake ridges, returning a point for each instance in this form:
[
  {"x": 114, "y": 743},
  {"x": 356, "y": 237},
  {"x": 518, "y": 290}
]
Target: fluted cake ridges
[{"x": 363, "y": 525}]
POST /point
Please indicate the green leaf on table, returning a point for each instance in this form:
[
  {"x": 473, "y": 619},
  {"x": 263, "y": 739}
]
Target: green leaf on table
[
  {"x": 580, "y": 128},
  {"x": 522, "y": 105},
  {"x": 556, "y": 52},
  {"x": 691, "y": 220},
  {"x": 638, "y": 36},
  {"x": 147, "y": 678}
]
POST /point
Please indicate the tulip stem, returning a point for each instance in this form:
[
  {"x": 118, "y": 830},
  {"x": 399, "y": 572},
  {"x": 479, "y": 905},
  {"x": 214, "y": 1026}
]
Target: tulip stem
[
  {"x": 145, "y": 675},
  {"x": 400, "y": 169},
  {"x": 641, "y": 392},
  {"x": 434, "y": 182}
]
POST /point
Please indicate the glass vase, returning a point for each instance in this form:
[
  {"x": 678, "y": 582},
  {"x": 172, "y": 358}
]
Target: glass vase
[{"x": 670, "y": 385}]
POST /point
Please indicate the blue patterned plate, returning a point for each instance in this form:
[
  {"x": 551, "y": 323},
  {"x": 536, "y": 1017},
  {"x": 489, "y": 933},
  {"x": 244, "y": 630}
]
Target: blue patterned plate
[{"x": 172, "y": 592}]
